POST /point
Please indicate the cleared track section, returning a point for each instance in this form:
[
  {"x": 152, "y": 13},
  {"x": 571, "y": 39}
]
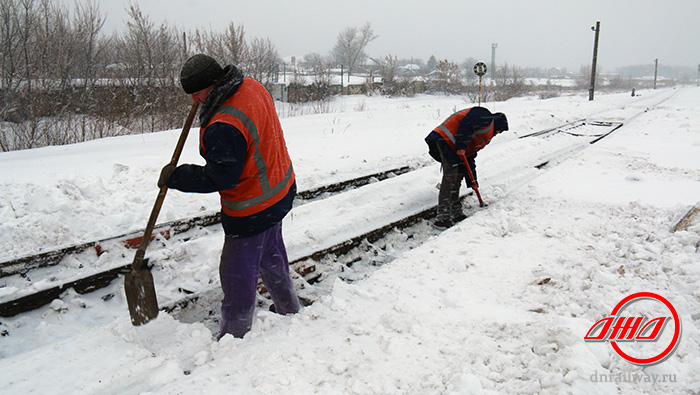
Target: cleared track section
[
  {"x": 48, "y": 274},
  {"x": 397, "y": 201}
]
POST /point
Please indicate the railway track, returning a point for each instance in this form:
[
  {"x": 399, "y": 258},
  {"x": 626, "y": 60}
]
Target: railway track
[
  {"x": 572, "y": 128},
  {"x": 584, "y": 132},
  {"x": 24, "y": 266},
  {"x": 362, "y": 250},
  {"x": 306, "y": 266}
]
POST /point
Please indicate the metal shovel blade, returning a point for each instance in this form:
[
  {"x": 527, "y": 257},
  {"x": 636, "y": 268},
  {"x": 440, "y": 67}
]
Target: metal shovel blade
[
  {"x": 138, "y": 283},
  {"x": 141, "y": 296}
]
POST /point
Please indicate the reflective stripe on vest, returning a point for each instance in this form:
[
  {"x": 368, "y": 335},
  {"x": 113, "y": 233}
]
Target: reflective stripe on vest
[
  {"x": 447, "y": 135},
  {"x": 486, "y": 129},
  {"x": 265, "y": 195},
  {"x": 448, "y": 128},
  {"x": 267, "y": 190},
  {"x": 480, "y": 139},
  {"x": 267, "y": 174}
]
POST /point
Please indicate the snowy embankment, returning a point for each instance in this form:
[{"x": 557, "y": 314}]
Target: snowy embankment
[{"x": 500, "y": 303}]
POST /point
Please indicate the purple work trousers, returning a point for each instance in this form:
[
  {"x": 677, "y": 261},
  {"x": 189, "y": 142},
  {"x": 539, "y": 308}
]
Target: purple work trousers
[{"x": 242, "y": 260}]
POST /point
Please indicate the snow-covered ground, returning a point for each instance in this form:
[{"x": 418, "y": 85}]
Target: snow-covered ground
[{"x": 499, "y": 303}]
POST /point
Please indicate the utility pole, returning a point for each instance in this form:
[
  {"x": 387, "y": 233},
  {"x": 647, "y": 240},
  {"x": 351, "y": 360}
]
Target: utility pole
[
  {"x": 493, "y": 59},
  {"x": 656, "y": 71},
  {"x": 698, "y": 74},
  {"x": 591, "y": 90}
]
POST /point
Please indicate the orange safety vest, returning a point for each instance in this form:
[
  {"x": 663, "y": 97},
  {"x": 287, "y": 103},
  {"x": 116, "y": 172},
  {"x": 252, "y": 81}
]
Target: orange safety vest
[
  {"x": 267, "y": 171},
  {"x": 448, "y": 131}
]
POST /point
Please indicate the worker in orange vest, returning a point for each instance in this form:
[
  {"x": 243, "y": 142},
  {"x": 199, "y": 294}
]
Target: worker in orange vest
[
  {"x": 247, "y": 163},
  {"x": 468, "y": 130}
]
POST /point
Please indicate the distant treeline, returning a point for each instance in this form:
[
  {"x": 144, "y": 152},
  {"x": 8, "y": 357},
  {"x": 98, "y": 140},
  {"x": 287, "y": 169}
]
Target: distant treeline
[{"x": 63, "y": 81}]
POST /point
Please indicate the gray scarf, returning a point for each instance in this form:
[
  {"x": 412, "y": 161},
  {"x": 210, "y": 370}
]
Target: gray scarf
[{"x": 227, "y": 86}]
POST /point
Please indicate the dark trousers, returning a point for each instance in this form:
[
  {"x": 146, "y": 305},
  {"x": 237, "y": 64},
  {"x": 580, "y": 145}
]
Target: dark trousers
[
  {"x": 242, "y": 260},
  {"x": 449, "y": 205}
]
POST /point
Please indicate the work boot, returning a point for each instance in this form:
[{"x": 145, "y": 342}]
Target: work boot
[
  {"x": 458, "y": 217},
  {"x": 443, "y": 223}
]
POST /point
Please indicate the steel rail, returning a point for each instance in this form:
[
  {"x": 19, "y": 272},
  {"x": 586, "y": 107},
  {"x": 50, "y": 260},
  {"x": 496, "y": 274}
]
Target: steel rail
[{"x": 307, "y": 271}]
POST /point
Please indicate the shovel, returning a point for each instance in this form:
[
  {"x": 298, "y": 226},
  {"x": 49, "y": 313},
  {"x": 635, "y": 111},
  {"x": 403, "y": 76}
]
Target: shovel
[
  {"x": 138, "y": 283},
  {"x": 475, "y": 187}
]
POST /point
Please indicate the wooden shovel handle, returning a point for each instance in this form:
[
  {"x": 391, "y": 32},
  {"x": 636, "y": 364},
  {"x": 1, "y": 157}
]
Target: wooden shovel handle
[{"x": 141, "y": 252}]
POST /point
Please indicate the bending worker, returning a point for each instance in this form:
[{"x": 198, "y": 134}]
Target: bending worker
[
  {"x": 468, "y": 130},
  {"x": 247, "y": 162}
]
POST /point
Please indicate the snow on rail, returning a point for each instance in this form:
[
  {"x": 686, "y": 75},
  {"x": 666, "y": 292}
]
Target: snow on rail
[{"x": 360, "y": 214}]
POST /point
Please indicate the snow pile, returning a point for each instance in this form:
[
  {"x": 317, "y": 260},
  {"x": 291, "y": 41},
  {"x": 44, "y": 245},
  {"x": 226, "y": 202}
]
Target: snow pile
[{"x": 500, "y": 303}]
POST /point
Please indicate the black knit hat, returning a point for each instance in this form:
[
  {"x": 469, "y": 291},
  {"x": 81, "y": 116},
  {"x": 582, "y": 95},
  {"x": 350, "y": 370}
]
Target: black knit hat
[
  {"x": 200, "y": 72},
  {"x": 500, "y": 122}
]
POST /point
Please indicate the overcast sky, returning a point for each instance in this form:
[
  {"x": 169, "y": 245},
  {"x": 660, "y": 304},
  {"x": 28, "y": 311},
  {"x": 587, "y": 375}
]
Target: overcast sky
[{"x": 544, "y": 33}]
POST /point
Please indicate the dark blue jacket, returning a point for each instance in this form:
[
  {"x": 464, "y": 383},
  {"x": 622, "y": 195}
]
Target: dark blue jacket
[{"x": 476, "y": 118}]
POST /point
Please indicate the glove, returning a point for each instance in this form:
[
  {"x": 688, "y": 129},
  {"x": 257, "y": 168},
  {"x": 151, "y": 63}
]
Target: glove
[{"x": 165, "y": 174}]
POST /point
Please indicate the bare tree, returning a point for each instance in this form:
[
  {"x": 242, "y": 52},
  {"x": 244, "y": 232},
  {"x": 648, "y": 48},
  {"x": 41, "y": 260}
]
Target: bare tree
[
  {"x": 28, "y": 19},
  {"x": 150, "y": 58},
  {"x": 405, "y": 79},
  {"x": 136, "y": 48},
  {"x": 88, "y": 23},
  {"x": 510, "y": 82},
  {"x": 236, "y": 48},
  {"x": 389, "y": 69},
  {"x": 166, "y": 56},
  {"x": 150, "y": 54},
  {"x": 431, "y": 65},
  {"x": 350, "y": 47},
  {"x": 314, "y": 61},
  {"x": 9, "y": 45},
  {"x": 394, "y": 81},
  {"x": 258, "y": 58},
  {"x": 50, "y": 60},
  {"x": 203, "y": 41},
  {"x": 263, "y": 61},
  {"x": 322, "y": 73},
  {"x": 56, "y": 47},
  {"x": 13, "y": 45},
  {"x": 227, "y": 47},
  {"x": 447, "y": 78}
]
